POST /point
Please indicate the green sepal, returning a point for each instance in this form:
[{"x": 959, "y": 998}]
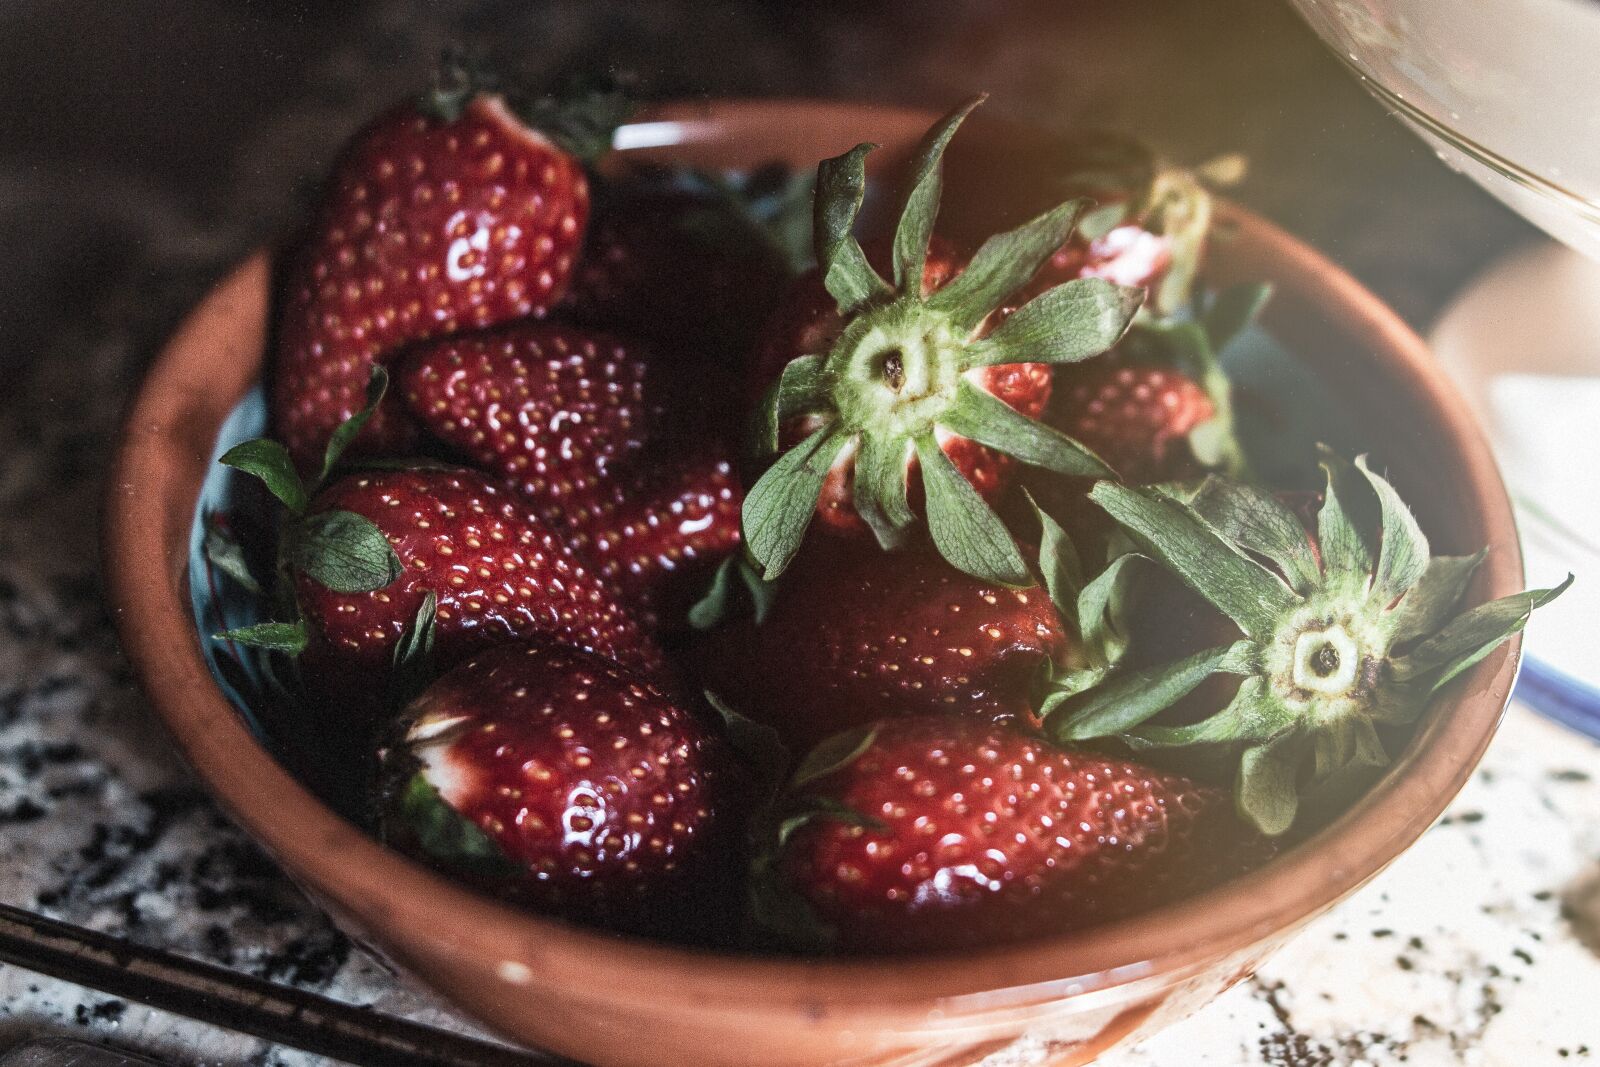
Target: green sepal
[
  {"x": 879, "y": 493},
  {"x": 226, "y": 554},
  {"x": 1342, "y": 519},
  {"x": 779, "y": 506},
  {"x": 841, "y": 187},
  {"x": 1066, "y": 324},
  {"x": 1432, "y": 601},
  {"x": 832, "y": 754},
  {"x": 343, "y": 551},
  {"x": 582, "y": 115},
  {"x": 1267, "y": 789},
  {"x": 717, "y": 604},
  {"x": 988, "y": 420},
  {"x": 346, "y": 431},
  {"x": 1254, "y": 519},
  {"x": 1239, "y": 587},
  {"x": 921, "y": 207},
  {"x": 446, "y": 836},
  {"x": 1059, "y": 562},
  {"x": 1472, "y": 635},
  {"x": 1253, "y": 715},
  {"x": 268, "y": 460},
  {"x": 1004, "y": 264},
  {"x": 756, "y": 744},
  {"x": 965, "y": 529},
  {"x": 286, "y": 637},
  {"x": 1232, "y": 312},
  {"x": 1181, "y": 208},
  {"x": 1402, "y": 548},
  {"x": 412, "y": 666},
  {"x": 1100, "y": 607},
  {"x": 1099, "y": 221},
  {"x": 797, "y": 390},
  {"x": 1129, "y": 700}
]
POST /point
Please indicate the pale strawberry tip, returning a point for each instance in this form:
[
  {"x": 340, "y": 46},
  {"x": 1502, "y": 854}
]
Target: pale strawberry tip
[{"x": 905, "y": 377}]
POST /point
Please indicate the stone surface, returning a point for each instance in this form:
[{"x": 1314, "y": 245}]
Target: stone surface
[{"x": 149, "y": 144}]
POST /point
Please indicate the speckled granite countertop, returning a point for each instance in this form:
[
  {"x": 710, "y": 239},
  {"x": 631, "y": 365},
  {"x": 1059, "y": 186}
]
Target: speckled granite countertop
[{"x": 141, "y": 158}]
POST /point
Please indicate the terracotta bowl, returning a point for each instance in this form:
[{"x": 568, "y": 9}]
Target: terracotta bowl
[{"x": 624, "y": 1002}]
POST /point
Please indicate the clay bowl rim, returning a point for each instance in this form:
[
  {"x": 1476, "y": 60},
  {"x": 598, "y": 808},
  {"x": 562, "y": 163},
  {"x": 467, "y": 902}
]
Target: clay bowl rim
[{"x": 215, "y": 356}]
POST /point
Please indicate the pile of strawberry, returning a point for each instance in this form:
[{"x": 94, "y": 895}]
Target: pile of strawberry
[{"x": 536, "y": 550}]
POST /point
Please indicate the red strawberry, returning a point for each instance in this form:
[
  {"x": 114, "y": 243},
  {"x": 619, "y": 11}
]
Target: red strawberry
[
  {"x": 900, "y": 379},
  {"x": 854, "y": 635},
  {"x": 566, "y": 415},
  {"x": 558, "y": 778},
  {"x": 438, "y": 217},
  {"x": 497, "y": 573},
  {"x": 946, "y": 832},
  {"x": 1136, "y": 417}
]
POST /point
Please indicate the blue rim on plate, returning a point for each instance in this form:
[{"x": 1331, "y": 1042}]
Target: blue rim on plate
[{"x": 1559, "y": 696}]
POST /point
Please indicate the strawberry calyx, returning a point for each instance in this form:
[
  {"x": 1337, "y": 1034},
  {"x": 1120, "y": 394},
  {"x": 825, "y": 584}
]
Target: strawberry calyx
[
  {"x": 1346, "y": 631},
  {"x": 581, "y": 116},
  {"x": 902, "y": 377},
  {"x": 339, "y": 549}
]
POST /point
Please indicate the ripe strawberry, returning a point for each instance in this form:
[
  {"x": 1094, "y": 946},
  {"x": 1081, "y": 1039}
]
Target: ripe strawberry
[
  {"x": 495, "y": 570},
  {"x": 567, "y": 414},
  {"x": 944, "y": 832},
  {"x": 445, "y": 214},
  {"x": 1137, "y": 417},
  {"x": 854, "y": 635},
  {"x": 559, "y": 779},
  {"x": 900, "y": 379}
]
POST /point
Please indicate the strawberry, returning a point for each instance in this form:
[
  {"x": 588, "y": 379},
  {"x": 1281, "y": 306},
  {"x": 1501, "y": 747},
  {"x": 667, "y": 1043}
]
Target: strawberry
[
  {"x": 560, "y": 779},
  {"x": 495, "y": 570},
  {"x": 416, "y": 568},
  {"x": 915, "y": 381},
  {"x": 1136, "y": 417},
  {"x": 566, "y": 414},
  {"x": 1341, "y": 636},
  {"x": 853, "y": 635},
  {"x": 444, "y": 214},
  {"x": 945, "y": 832}
]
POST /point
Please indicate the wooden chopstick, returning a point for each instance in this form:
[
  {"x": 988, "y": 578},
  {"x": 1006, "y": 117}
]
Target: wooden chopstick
[{"x": 225, "y": 998}]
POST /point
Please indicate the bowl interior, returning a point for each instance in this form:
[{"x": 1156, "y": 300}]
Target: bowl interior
[{"x": 1385, "y": 396}]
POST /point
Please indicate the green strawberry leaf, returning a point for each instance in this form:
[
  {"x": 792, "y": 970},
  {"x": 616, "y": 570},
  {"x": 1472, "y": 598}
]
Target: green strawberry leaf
[
  {"x": 1402, "y": 548},
  {"x": 1067, "y": 324},
  {"x": 1234, "y": 584},
  {"x": 1059, "y": 562},
  {"x": 966, "y": 531},
  {"x": 1266, "y": 792},
  {"x": 226, "y": 554},
  {"x": 1102, "y": 607},
  {"x": 1004, "y": 264},
  {"x": 1253, "y": 715},
  {"x": 343, "y": 551},
  {"x": 756, "y": 744},
  {"x": 287, "y": 637},
  {"x": 797, "y": 390},
  {"x": 1232, "y": 312},
  {"x": 582, "y": 115},
  {"x": 921, "y": 209},
  {"x": 1130, "y": 700},
  {"x": 1341, "y": 521},
  {"x": 1254, "y": 519},
  {"x": 1432, "y": 600},
  {"x": 1472, "y": 635},
  {"x": 988, "y": 420},
  {"x": 833, "y": 754},
  {"x": 446, "y": 836},
  {"x": 719, "y": 602},
  {"x": 779, "y": 506},
  {"x": 413, "y": 666},
  {"x": 841, "y": 186},
  {"x": 1102, "y": 220},
  {"x": 346, "y": 431},
  {"x": 269, "y": 461},
  {"x": 880, "y": 488}
]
